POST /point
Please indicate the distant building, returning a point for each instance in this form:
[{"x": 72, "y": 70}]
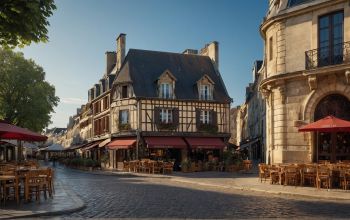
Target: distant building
[
  {"x": 250, "y": 120},
  {"x": 306, "y": 77}
]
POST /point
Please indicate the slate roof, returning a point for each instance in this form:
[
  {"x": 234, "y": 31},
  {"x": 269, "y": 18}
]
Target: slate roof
[{"x": 143, "y": 68}]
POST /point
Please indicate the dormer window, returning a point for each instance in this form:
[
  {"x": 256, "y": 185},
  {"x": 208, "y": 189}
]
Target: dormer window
[
  {"x": 205, "y": 88},
  {"x": 124, "y": 92},
  {"x": 166, "y": 90},
  {"x": 166, "y": 85},
  {"x": 205, "y": 92}
]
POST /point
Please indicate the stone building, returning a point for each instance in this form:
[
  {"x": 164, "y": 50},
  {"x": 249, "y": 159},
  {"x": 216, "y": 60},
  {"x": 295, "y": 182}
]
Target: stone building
[
  {"x": 233, "y": 125},
  {"x": 252, "y": 118},
  {"x": 306, "y": 77}
]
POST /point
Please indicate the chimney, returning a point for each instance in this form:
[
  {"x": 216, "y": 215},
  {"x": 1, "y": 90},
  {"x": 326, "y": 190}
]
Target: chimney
[
  {"x": 190, "y": 51},
  {"x": 120, "y": 50},
  {"x": 111, "y": 58},
  {"x": 211, "y": 50}
]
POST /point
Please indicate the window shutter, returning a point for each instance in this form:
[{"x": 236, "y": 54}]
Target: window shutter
[
  {"x": 120, "y": 116},
  {"x": 213, "y": 117},
  {"x": 176, "y": 119},
  {"x": 107, "y": 123},
  {"x": 156, "y": 116},
  {"x": 198, "y": 117}
]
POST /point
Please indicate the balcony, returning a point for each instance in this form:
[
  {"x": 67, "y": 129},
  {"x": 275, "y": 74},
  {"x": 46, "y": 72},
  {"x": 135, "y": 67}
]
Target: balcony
[{"x": 327, "y": 56}]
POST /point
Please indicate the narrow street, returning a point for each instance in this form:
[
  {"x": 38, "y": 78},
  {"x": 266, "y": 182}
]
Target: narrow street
[{"x": 127, "y": 196}]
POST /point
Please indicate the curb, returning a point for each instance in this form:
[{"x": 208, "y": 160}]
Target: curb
[{"x": 264, "y": 191}]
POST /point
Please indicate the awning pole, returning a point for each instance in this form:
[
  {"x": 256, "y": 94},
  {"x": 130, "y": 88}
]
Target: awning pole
[{"x": 317, "y": 146}]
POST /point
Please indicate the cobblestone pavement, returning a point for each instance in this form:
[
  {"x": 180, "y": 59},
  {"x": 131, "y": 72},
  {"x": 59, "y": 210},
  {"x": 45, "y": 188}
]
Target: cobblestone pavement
[{"x": 127, "y": 196}]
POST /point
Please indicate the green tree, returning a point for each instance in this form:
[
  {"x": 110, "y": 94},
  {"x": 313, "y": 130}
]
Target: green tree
[
  {"x": 24, "y": 21},
  {"x": 26, "y": 99}
]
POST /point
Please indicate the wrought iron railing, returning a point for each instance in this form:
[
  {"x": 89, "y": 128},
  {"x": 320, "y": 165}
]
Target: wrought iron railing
[{"x": 326, "y": 56}]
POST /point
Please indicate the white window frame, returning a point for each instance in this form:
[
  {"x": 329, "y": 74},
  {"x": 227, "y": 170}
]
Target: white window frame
[
  {"x": 166, "y": 90},
  {"x": 124, "y": 117},
  {"x": 205, "y": 117},
  {"x": 166, "y": 116},
  {"x": 205, "y": 92}
]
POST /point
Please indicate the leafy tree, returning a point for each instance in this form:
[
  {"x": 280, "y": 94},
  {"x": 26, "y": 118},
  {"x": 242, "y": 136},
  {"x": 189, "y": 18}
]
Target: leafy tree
[
  {"x": 26, "y": 99},
  {"x": 24, "y": 21}
]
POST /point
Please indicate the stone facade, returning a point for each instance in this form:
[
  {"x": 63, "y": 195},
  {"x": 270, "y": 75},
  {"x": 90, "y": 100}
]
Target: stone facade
[
  {"x": 250, "y": 119},
  {"x": 292, "y": 89}
]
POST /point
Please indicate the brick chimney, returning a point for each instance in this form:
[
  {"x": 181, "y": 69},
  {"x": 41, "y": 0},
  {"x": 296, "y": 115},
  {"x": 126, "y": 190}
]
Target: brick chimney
[
  {"x": 120, "y": 50},
  {"x": 111, "y": 58},
  {"x": 211, "y": 50}
]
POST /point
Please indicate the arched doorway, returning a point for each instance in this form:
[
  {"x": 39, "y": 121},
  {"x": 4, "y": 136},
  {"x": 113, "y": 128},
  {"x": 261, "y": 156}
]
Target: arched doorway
[{"x": 332, "y": 146}]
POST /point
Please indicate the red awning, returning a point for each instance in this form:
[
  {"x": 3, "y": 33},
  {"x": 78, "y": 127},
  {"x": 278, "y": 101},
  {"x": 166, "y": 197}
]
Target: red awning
[
  {"x": 121, "y": 144},
  {"x": 165, "y": 142},
  {"x": 328, "y": 124},
  {"x": 9, "y": 131},
  {"x": 205, "y": 143}
]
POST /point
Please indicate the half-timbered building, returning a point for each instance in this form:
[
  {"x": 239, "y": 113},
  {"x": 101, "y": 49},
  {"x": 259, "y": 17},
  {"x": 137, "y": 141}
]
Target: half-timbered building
[{"x": 168, "y": 106}]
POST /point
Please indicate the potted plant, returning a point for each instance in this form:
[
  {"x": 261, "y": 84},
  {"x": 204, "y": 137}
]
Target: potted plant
[{"x": 186, "y": 166}]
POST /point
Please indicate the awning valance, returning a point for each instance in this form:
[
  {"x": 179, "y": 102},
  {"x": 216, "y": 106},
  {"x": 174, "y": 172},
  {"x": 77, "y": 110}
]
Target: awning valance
[
  {"x": 165, "y": 142},
  {"x": 205, "y": 143},
  {"x": 121, "y": 144},
  {"x": 91, "y": 145}
]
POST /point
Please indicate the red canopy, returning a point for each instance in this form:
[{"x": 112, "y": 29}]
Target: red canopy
[
  {"x": 165, "y": 142},
  {"x": 205, "y": 143},
  {"x": 9, "y": 131},
  {"x": 328, "y": 124},
  {"x": 122, "y": 144}
]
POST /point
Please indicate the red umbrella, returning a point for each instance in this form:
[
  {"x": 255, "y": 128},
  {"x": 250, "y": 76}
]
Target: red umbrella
[
  {"x": 9, "y": 131},
  {"x": 328, "y": 124}
]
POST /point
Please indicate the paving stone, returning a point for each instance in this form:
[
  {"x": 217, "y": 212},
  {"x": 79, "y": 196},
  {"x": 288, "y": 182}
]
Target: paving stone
[{"x": 127, "y": 196}]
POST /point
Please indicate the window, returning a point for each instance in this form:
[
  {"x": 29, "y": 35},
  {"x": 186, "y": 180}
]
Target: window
[
  {"x": 105, "y": 103},
  {"x": 166, "y": 116},
  {"x": 292, "y": 3},
  {"x": 205, "y": 92},
  {"x": 205, "y": 117},
  {"x": 270, "y": 48},
  {"x": 124, "y": 92},
  {"x": 166, "y": 90},
  {"x": 330, "y": 34},
  {"x": 124, "y": 117}
]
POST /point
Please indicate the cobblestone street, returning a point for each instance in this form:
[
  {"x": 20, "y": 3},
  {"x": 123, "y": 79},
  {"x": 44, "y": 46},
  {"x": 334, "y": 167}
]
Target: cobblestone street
[{"x": 127, "y": 196}]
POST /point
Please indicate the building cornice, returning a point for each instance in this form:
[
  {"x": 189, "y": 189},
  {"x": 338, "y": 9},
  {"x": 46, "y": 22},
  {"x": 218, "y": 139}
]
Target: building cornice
[{"x": 292, "y": 12}]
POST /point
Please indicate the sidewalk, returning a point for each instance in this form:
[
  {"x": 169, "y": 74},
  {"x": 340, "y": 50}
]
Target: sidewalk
[
  {"x": 246, "y": 182},
  {"x": 64, "y": 201}
]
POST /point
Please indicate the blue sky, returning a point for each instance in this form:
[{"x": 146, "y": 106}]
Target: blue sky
[{"x": 81, "y": 31}]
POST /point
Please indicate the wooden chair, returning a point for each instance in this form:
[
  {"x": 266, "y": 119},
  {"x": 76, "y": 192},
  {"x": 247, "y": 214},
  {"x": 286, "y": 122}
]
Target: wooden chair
[
  {"x": 11, "y": 187},
  {"x": 126, "y": 166},
  {"x": 168, "y": 167},
  {"x": 264, "y": 172},
  {"x": 36, "y": 181},
  {"x": 291, "y": 175},
  {"x": 157, "y": 167},
  {"x": 324, "y": 177},
  {"x": 309, "y": 174}
]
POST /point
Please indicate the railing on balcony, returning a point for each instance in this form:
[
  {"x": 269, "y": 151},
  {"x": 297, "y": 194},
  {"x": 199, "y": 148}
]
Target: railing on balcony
[{"x": 326, "y": 56}]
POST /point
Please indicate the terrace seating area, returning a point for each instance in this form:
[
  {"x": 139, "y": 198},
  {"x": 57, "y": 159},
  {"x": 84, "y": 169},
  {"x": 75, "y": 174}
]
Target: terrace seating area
[
  {"x": 25, "y": 181},
  {"x": 148, "y": 166},
  {"x": 322, "y": 175}
]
